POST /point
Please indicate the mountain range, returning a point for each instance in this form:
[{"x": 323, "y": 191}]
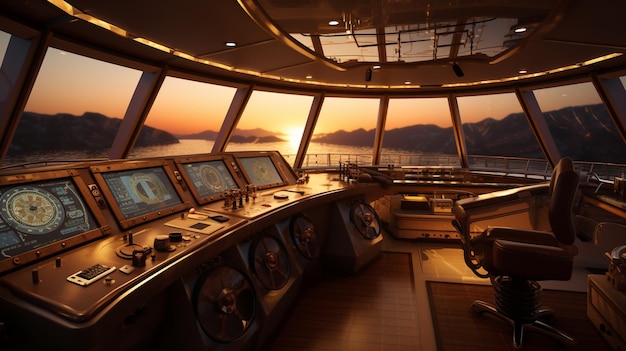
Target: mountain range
[
  {"x": 582, "y": 132},
  {"x": 63, "y": 131}
]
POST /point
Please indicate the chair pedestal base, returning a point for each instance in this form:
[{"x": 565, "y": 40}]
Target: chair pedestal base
[
  {"x": 518, "y": 327},
  {"x": 518, "y": 301}
]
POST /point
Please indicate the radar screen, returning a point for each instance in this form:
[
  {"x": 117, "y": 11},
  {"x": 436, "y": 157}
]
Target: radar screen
[
  {"x": 261, "y": 171},
  {"x": 37, "y": 214},
  {"x": 139, "y": 194},
  {"x": 209, "y": 179}
]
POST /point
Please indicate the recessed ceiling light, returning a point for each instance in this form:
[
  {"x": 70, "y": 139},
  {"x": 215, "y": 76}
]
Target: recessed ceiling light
[
  {"x": 520, "y": 30},
  {"x": 407, "y": 82},
  {"x": 376, "y": 67},
  {"x": 333, "y": 23},
  {"x": 523, "y": 71},
  {"x": 309, "y": 77},
  {"x": 231, "y": 44}
]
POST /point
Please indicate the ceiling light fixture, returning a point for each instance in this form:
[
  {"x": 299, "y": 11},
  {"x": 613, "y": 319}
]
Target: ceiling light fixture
[
  {"x": 333, "y": 23},
  {"x": 231, "y": 44}
]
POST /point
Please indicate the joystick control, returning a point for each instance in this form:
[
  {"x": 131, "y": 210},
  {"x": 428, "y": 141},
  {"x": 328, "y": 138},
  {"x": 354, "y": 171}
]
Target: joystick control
[{"x": 140, "y": 256}]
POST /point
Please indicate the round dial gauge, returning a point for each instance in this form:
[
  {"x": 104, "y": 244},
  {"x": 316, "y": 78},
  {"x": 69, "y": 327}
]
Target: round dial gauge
[
  {"x": 147, "y": 188},
  {"x": 31, "y": 210},
  {"x": 212, "y": 179}
]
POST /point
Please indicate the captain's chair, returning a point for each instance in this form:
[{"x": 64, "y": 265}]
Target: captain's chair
[{"x": 515, "y": 259}]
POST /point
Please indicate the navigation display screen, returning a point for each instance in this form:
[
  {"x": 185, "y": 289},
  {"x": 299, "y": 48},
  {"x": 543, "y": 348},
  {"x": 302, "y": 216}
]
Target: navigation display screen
[
  {"x": 261, "y": 170},
  {"x": 37, "y": 214},
  {"x": 138, "y": 192},
  {"x": 209, "y": 178}
]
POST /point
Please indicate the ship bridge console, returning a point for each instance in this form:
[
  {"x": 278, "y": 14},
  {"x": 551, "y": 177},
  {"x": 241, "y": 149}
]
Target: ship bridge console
[
  {"x": 212, "y": 250},
  {"x": 115, "y": 254}
]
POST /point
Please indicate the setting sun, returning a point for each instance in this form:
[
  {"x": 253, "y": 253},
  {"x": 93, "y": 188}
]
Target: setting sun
[{"x": 293, "y": 136}]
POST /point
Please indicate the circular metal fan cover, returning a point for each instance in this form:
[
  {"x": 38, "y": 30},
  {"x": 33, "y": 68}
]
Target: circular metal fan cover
[
  {"x": 225, "y": 303},
  {"x": 270, "y": 262},
  {"x": 304, "y": 237},
  {"x": 365, "y": 220}
]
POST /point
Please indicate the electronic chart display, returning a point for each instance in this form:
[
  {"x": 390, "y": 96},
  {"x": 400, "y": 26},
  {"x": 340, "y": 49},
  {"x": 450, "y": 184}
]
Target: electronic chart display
[
  {"x": 138, "y": 195},
  {"x": 261, "y": 171},
  {"x": 46, "y": 215},
  {"x": 209, "y": 179}
]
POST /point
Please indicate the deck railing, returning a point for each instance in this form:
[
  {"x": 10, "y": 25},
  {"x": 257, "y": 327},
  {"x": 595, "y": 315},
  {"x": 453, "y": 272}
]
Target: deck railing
[{"x": 514, "y": 166}]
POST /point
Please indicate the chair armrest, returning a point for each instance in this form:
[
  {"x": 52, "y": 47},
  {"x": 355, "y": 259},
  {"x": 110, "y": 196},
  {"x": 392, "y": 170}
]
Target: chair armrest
[
  {"x": 496, "y": 198},
  {"x": 526, "y": 236},
  {"x": 497, "y": 204}
]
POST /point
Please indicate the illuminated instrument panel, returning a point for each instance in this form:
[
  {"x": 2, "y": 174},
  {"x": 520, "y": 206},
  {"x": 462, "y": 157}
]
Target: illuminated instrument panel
[
  {"x": 260, "y": 170},
  {"x": 47, "y": 214},
  {"x": 111, "y": 253},
  {"x": 210, "y": 177},
  {"x": 139, "y": 192}
]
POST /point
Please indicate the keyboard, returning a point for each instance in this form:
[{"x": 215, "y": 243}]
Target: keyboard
[{"x": 90, "y": 274}]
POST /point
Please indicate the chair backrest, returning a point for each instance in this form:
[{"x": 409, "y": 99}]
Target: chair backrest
[{"x": 563, "y": 186}]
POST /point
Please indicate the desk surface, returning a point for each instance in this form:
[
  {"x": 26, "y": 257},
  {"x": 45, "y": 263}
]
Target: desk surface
[{"x": 607, "y": 200}]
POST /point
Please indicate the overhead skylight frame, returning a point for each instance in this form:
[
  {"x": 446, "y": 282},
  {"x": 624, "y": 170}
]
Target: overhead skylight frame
[{"x": 414, "y": 42}]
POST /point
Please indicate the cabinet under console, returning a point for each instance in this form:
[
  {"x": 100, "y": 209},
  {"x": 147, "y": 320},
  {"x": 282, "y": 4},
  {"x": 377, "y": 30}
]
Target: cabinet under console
[{"x": 606, "y": 308}]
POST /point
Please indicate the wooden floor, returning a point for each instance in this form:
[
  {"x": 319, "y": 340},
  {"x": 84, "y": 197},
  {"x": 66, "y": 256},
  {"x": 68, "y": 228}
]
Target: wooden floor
[
  {"x": 375, "y": 310},
  {"x": 385, "y": 307}
]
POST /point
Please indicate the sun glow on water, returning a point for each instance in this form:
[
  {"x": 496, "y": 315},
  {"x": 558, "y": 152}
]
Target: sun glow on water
[{"x": 293, "y": 136}]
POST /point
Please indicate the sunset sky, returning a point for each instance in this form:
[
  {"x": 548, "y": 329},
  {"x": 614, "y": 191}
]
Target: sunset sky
[{"x": 184, "y": 107}]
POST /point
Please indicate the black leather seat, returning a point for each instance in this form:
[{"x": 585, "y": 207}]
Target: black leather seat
[{"x": 516, "y": 259}]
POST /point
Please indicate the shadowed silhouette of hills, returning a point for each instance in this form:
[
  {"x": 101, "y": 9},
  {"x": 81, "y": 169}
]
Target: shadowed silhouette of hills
[
  {"x": 91, "y": 131},
  {"x": 256, "y": 135},
  {"x": 582, "y": 132}
]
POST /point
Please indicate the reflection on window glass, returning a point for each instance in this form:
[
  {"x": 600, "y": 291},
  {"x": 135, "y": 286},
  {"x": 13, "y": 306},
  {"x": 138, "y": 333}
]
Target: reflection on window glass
[
  {"x": 4, "y": 42},
  {"x": 419, "y": 132},
  {"x": 345, "y": 132},
  {"x": 190, "y": 112},
  {"x": 497, "y": 134},
  {"x": 580, "y": 124},
  {"x": 272, "y": 121},
  {"x": 74, "y": 110},
  {"x": 6, "y": 83}
]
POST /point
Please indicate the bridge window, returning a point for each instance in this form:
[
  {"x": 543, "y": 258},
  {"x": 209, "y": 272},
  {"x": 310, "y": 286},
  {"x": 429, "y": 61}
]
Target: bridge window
[
  {"x": 497, "y": 134},
  {"x": 272, "y": 121},
  {"x": 344, "y": 132},
  {"x": 192, "y": 112},
  {"x": 580, "y": 124},
  {"x": 4, "y": 42},
  {"x": 418, "y": 132},
  {"x": 74, "y": 110}
]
